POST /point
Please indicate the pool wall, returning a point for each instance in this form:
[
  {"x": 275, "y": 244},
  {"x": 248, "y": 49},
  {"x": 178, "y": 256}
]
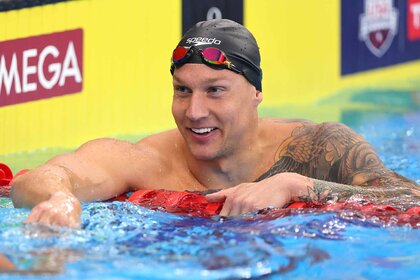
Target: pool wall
[{"x": 114, "y": 59}]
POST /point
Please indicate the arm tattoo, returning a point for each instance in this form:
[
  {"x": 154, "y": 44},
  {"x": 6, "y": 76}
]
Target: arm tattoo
[
  {"x": 341, "y": 162},
  {"x": 324, "y": 191}
]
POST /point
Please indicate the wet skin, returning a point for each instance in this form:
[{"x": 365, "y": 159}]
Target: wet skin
[{"x": 220, "y": 143}]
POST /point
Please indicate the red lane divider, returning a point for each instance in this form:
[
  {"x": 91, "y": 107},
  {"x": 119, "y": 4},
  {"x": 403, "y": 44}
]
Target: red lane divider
[
  {"x": 196, "y": 204},
  {"x": 176, "y": 202},
  {"x": 6, "y": 175}
]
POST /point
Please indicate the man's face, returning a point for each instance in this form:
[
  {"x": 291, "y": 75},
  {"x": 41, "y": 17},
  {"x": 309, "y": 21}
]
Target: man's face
[{"x": 215, "y": 110}]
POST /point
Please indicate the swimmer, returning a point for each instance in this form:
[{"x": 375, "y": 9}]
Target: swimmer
[{"x": 220, "y": 145}]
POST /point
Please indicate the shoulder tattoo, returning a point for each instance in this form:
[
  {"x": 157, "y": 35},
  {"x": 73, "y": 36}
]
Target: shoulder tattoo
[{"x": 335, "y": 153}]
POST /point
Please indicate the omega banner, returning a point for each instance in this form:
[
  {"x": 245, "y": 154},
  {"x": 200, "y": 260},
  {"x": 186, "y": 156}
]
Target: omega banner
[{"x": 40, "y": 67}]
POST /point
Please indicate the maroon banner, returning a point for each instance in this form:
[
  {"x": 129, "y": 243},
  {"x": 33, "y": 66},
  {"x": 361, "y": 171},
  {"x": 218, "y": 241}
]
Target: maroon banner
[{"x": 41, "y": 67}]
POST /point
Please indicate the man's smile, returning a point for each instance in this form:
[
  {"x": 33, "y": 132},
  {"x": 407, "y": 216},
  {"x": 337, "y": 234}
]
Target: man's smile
[
  {"x": 202, "y": 130},
  {"x": 202, "y": 134}
]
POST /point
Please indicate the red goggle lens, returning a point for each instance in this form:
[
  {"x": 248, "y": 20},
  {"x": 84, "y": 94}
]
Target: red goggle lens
[
  {"x": 179, "y": 54},
  {"x": 214, "y": 56}
]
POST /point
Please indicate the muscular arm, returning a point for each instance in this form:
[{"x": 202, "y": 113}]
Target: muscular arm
[
  {"x": 341, "y": 164},
  {"x": 98, "y": 170},
  {"x": 95, "y": 171}
]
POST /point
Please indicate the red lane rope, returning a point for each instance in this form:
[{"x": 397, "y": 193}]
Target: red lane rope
[{"x": 196, "y": 204}]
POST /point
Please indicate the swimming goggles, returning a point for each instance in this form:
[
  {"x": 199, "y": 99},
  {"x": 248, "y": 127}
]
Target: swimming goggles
[{"x": 210, "y": 56}]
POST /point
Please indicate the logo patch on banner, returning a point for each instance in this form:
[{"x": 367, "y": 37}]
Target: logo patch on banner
[
  {"x": 378, "y": 25},
  {"x": 41, "y": 67},
  {"x": 413, "y": 20},
  {"x": 378, "y": 33}
]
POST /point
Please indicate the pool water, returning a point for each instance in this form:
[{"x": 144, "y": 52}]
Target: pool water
[{"x": 123, "y": 241}]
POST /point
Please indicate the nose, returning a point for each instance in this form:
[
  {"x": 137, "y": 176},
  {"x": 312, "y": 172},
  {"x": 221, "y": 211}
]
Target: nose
[{"x": 197, "y": 107}]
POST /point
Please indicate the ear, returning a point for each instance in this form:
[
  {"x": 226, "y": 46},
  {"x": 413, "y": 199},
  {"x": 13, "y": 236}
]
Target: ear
[{"x": 258, "y": 97}]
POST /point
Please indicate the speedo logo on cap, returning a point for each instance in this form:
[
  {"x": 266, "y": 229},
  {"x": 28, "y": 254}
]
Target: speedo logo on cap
[{"x": 198, "y": 41}]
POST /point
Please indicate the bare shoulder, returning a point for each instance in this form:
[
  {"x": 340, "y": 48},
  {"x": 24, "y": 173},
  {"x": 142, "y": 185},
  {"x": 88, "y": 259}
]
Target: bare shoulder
[
  {"x": 327, "y": 131},
  {"x": 333, "y": 152},
  {"x": 299, "y": 139},
  {"x": 162, "y": 146},
  {"x": 163, "y": 164},
  {"x": 318, "y": 150},
  {"x": 277, "y": 128},
  {"x": 111, "y": 145},
  {"x": 163, "y": 140},
  {"x": 142, "y": 164},
  {"x": 148, "y": 145},
  {"x": 286, "y": 120}
]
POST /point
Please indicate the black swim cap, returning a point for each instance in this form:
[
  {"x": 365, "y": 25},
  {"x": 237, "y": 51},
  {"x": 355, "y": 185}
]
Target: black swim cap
[{"x": 233, "y": 39}]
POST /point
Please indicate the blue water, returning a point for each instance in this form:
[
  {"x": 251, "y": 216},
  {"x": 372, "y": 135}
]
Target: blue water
[{"x": 123, "y": 241}]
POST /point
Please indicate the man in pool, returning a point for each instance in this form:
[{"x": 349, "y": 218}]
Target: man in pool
[{"x": 220, "y": 144}]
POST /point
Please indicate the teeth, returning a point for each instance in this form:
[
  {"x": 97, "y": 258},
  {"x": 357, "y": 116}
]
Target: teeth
[{"x": 202, "y": 130}]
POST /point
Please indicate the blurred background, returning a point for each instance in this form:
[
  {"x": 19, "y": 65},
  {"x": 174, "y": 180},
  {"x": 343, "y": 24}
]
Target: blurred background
[{"x": 72, "y": 71}]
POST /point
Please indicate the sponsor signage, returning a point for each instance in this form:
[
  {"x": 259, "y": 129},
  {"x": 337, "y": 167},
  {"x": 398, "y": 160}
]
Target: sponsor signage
[
  {"x": 413, "y": 20},
  {"x": 378, "y": 33},
  {"x": 41, "y": 67},
  {"x": 194, "y": 11}
]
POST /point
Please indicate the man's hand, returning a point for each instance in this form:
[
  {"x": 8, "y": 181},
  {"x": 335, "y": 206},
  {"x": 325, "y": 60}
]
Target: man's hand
[
  {"x": 276, "y": 191},
  {"x": 282, "y": 188},
  {"x": 61, "y": 209}
]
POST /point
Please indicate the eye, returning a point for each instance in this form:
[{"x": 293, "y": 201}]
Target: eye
[
  {"x": 181, "y": 90},
  {"x": 215, "y": 91}
]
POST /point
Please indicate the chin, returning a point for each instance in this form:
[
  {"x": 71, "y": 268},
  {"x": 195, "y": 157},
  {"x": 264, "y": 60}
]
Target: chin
[
  {"x": 203, "y": 155},
  {"x": 208, "y": 153},
  {"x": 203, "y": 152}
]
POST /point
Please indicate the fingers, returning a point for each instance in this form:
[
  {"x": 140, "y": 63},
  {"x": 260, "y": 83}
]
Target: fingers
[
  {"x": 243, "y": 204},
  {"x": 56, "y": 220},
  {"x": 219, "y": 196},
  {"x": 230, "y": 207},
  {"x": 226, "y": 210},
  {"x": 52, "y": 218},
  {"x": 59, "y": 212},
  {"x": 33, "y": 216},
  {"x": 250, "y": 197},
  {"x": 238, "y": 200}
]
